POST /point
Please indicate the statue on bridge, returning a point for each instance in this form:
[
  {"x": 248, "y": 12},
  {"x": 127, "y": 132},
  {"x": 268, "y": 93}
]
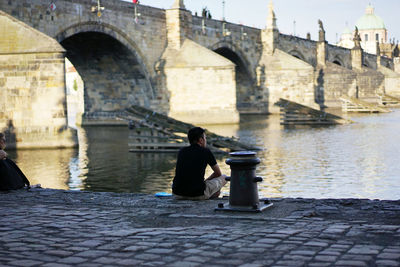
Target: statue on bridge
[
  {"x": 357, "y": 39},
  {"x": 321, "y": 31}
]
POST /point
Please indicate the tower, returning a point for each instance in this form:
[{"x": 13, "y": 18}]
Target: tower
[
  {"x": 269, "y": 35},
  {"x": 179, "y": 24}
]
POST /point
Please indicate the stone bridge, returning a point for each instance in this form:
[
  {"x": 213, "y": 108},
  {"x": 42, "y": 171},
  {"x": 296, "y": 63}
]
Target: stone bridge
[{"x": 192, "y": 68}]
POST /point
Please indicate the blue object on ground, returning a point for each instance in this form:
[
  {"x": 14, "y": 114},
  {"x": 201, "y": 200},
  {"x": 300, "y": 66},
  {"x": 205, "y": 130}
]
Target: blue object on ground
[{"x": 163, "y": 194}]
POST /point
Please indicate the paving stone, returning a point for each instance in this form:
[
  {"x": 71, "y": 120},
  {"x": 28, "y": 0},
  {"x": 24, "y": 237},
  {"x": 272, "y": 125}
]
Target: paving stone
[
  {"x": 106, "y": 260},
  {"x": 269, "y": 240},
  {"x": 192, "y": 251},
  {"x": 72, "y": 260},
  {"x": 195, "y": 259},
  {"x": 350, "y": 263},
  {"x": 297, "y": 257},
  {"x": 184, "y": 264},
  {"x": 387, "y": 263},
  {"x": 264, "y": 262},
  {"x": 303, "y": 252},
  {"x": 170, "y": 258},
  {"x": 25, "y": 263},
  {"x": 128, "y": 262},
  {"x": 251, "y": 265},
  {"x": 240, "y": 255},
  {"x": 59, "y": 253},
  {"x": 210, "y": 254},
  {"x": 74, "y": 249},
  {"x": 92, "y": 253},
  {"x": 363, "y": 250},
  {"x": 324, "y": 258},
  {"x": 389, "y": 256},
  {"x": 261, "y": 245},
  {"x": 391, "y": 250},
  {"x": 90, "y": 243},
  {"x": 330, "y": 252},
  {"x": 316, "y": 244},
  {"x": 233, "y": 244},
  {"x": 147, "y": 256},
  {"x": 89, "y": 264},
  {"x": 289, "y": 263},
  {"x": 53, "y": 264},
  {"x": 319, "y": 264},
  {"x": 121, "y": 254},
  {"x": 160, "y": 251},
  {"x": 135, "y": 248},
  {"x": 251, "y": 250},
  {"x": 284, "y": 247},
  {"x": 230, "y": 262}
]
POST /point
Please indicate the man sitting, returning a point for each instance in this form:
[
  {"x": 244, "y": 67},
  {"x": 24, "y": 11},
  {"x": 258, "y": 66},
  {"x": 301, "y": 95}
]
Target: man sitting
[
  {"x": 11, "y": 177},
  {"x": 192, "y": 161}
]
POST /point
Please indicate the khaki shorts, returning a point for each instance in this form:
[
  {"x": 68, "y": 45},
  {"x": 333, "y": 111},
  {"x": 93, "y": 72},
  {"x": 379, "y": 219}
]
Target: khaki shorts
[{"x": 212, "y": 186}]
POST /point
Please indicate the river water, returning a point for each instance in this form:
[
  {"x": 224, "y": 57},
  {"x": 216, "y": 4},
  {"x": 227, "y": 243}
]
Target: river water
[{"x": 359, "y": 160}]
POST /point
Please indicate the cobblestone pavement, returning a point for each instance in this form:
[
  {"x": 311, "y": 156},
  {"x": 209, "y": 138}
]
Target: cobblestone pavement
[{"x": 45, "y": 227}]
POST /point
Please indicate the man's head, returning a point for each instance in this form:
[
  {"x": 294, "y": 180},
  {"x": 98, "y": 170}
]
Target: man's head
[
  {"x": 197, "y": 135},
  {"x": 2, "y": 141}
]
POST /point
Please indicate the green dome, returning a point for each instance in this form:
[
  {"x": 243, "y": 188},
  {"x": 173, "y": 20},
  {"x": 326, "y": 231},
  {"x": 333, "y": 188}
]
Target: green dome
[
  {"x": 370, "y": 20},
  {"x": 347, "y": 31}
]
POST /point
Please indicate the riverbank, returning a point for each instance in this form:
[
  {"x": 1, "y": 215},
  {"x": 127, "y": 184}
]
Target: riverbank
[{"x": 46, "y": 227}]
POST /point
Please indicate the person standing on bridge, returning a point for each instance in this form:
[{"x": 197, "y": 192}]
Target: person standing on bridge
[{"x": 191, "y": 164}]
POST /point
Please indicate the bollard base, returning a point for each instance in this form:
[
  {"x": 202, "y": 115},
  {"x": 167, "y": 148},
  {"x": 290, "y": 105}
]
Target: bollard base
[{"x": 256, "y": 208}]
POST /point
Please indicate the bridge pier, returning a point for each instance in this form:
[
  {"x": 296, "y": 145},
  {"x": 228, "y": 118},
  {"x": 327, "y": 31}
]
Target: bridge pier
[
  {"x": 201, "y": 84},
  {"x": 33, "y": 99}
]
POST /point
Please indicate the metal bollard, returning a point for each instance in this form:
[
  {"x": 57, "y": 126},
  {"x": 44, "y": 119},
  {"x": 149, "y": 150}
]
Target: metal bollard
[{"x": 243, "y": 194}]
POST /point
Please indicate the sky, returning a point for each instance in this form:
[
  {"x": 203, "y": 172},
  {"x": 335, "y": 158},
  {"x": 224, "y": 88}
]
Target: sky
[{"x": 296, "y": 16}]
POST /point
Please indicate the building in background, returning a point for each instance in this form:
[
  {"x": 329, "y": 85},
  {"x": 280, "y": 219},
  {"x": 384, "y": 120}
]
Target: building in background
[{"x": 372, "y": 32}]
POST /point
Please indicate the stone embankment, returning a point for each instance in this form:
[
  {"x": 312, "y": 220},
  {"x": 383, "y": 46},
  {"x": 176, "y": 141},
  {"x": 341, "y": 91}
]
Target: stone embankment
[{"x": 45, "y": 227}]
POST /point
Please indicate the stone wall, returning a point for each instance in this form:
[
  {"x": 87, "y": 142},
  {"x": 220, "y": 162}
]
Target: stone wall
[
  {"x": 33, "y": 102},
  {"x": 396, "y": 64},
  {"x": 201, "y": 85},
  {"x": 370, "y": 84},
  {"x": 303, "y": 49},
  {"x": 340, "y": 55},
  {"x": 243, "y": 40},
  {"x": 370, "y": 61},
  {"x": 285, "y": 76},
  {"x": 333, "y": 82},
  {"x": 392, "y": 81},
  {"x": 387, "y": 62}
]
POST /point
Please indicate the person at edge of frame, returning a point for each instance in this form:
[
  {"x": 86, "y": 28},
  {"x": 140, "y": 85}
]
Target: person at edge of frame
[{"x": 11, "y": 177}]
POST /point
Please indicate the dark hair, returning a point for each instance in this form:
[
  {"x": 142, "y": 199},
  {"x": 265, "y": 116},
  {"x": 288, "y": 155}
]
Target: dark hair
[
  {"x": 2, "y": 135},
  {"x": 195, "y": 134}
]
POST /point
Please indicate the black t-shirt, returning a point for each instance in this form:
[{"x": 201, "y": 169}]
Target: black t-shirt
[{"x": 190, "y": 169}]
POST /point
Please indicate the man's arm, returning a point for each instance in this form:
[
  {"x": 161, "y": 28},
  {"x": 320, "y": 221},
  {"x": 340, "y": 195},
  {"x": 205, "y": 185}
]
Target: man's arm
[
  {"x": 3, "y": 154},
  {"x": 217, "y": 172}
]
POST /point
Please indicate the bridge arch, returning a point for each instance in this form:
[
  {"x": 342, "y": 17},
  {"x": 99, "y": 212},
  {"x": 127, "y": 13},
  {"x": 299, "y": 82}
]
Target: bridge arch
[
  {"x": 113, "y": 68},
  {"x": 338, "y": 61},
  {"x": 297, "y": 54},
  {"x": 366, "y": 63},
  {"x": 245, "y": 91}
]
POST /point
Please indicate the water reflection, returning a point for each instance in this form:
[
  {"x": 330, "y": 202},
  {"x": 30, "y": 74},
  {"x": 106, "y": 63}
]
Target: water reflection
[
  {"x": 47, "y": 167},
  {"x": 107, "y": 165},
  {"x": 357, "y": 160}
]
